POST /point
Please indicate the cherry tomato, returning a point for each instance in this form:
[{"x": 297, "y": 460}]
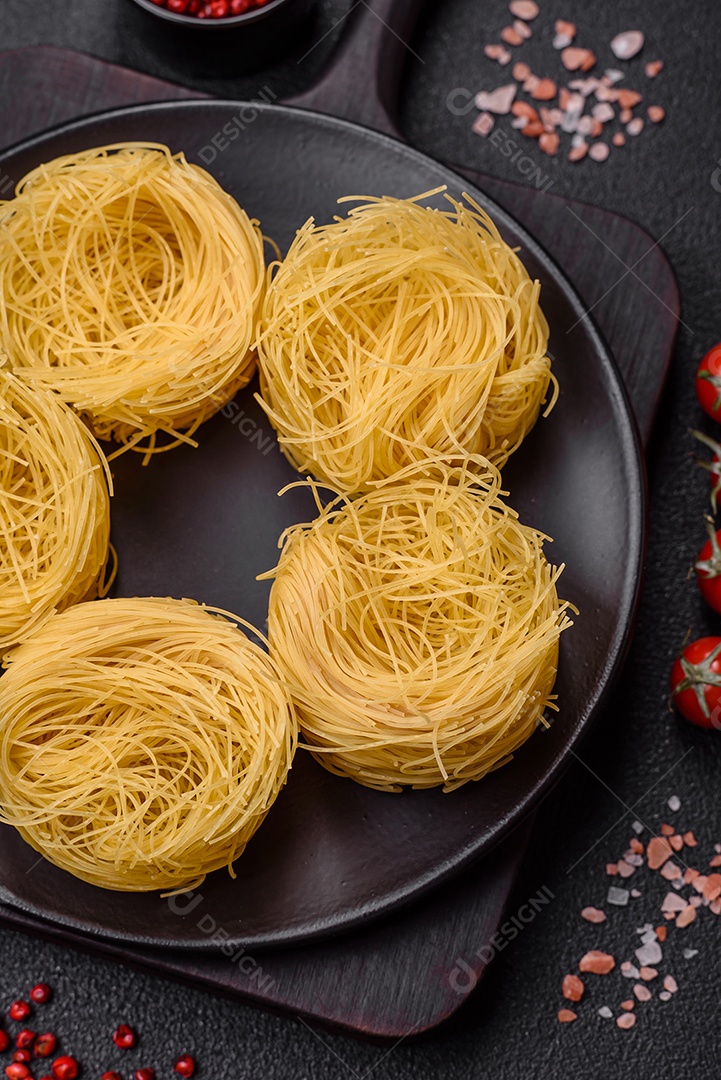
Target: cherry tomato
[
  {"x": 708, "y": 567},
  {"x": 696, "y": 682},
  {"x": 713, "y": 467},
  {"x": 708, "y": 383}
]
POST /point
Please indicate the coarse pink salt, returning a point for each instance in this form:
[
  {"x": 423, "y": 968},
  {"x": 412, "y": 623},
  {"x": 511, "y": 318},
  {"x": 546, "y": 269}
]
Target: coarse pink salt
[
  {"x": 593, "y": 915},
  {"x": 567, "y": 1016},
  {"x": 483, "y": 124},
  {"x": 572, "y": 988},
  {"x": 626, "y": 1021},
  {"x": 642, "y": 992},
  {"x": 628, "y": 44},
  {"x": 686, "y": 917},
  {"x": 670, "y": 984},
  {"x": 524, "y": 9},
  {"x": 598, "y": 963},
  {"x": 656, "y": 114},
  {"x": 653, "y": 67},
  {"x": 657, "y": 852},
  {"x": 599, "y": 151},
  {"x": 648, "y": 973}
]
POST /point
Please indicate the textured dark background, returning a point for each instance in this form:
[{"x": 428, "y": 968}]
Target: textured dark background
[{"x": 508, "y": 1030}]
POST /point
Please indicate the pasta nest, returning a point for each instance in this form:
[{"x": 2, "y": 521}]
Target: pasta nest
[
  {"x": 142, "y": 742},
  {"x": 54, "y": 510},
  {"x": 130, "y": 284},
  {"x": 397, "y": 334},
  {"x": 417, "y": 629}
]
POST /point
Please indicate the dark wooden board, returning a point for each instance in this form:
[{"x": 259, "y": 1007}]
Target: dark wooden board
[{"x": 395, "y": 977}]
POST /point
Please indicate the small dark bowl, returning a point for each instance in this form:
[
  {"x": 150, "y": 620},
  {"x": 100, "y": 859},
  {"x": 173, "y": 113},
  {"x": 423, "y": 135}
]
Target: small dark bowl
[{"x": 237, "y": 44}]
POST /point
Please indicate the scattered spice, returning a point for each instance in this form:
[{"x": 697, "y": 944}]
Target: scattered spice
[
  {"x": 41, "y": 994},
  {"x": 599, "y": 963},
  {"x": 593, "y": 915},
  {"x": 185, "y": 1065},
  {"x": 19, "y": 1010},
  {"x": 216, "y": 9},
  {"x": 572, "y": 988},
  {"x": 124, "y": 1037},
  {"x": 607, "y": 100}
]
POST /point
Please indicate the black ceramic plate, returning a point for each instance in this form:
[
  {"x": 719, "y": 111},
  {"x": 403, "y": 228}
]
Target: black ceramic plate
[{"x": 202, "y": 523}]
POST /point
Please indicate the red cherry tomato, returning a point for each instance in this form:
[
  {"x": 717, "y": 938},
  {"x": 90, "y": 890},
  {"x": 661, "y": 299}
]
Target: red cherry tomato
[
  {"x": 708, "y": 567},
  {"x": 708, "y": 383},
  {"x": 696, "y": 682},
  {"x": 713, "y": 467}
]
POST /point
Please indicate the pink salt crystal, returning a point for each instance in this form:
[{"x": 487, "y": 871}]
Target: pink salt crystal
[
  {"x": 642, "y": 992},
  {"x": 635, "y": 126},
  {"x": 676, "y": 841},
  {"x": 511, "y": 36},
  {"x": 628, "y": 44},
  {"x": 626, "y": 1021},
  {"x": 686, "y": 917},
  {"x": 593, "y": 915},
  {"x": 626, "y": 115},
  {"x": 544, "y": 90},
  {"x": 584, "y": 86},
  {"x": 652, "y": 68},
  {"x": 656, "y": 114},
  {"x": 699, "y": 883},
  {"x": 578, "y": 151},
  {"x": 561, "y": 26},
  {"x": 613, "y": 75},
  {"x": 599, "y": 963},
  {"x": 497, "y": 52},
  {"x": 575, "y": 59},
  {"x": 522, "y": 30},
  {"x": 689, "y": 875},
  {"x": 672, "y": 902},
  {"x": 497, "y": 101},
  {"x": 519, "y": 122},
  {"x": 697, "y": 901},
  {"x": 658, "y": 850},
  {"x": 715, "y": 907},
  {"x": 585, "y": 127},
  {"x": 670, "y": 984},
  {"x": 619, "y": 139},
  {"x": 520, "y": 71},
  {"x": 483, "y": 124},
  {"x": 624, "y": 869},
  {"x": 548, "y": 143},
  {"x": 561, "y": 41},
  {"x": 524, "y": 9},
  {"x": 604, "y": 112},
  {"x": 670, "y": 871},
  {"x": 648, "y": 973},
  {"x": 689, "y": 839},
  {"x": 599, "y": 152},
  {"x": 664, "y": 995},
  {"x": 531, "y": 83},
  {"x": 712, "y": 887},
  {"x": 715, "y": 861}
]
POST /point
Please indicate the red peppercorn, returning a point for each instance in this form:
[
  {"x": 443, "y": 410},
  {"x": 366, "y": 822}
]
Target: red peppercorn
[
  {"x": 24, "y": 1038},
  {"x": 65, "y": 1068},
  {"x": 22, "y": 1055},
  {"x": 17, "y": 1071},
  {"x": 144, "y": 1074},
  {"x": 41, "y": 994},
  {"x": 185, "y": 1065},
  {"x": 4, "y": 1040},
  {"x": 45, "y": 1045},
  {"x": 124, "y": 1037},
  {"x": 19, "y": 1010}
]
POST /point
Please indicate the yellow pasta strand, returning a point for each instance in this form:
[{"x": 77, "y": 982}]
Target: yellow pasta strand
[
  {"x": 142, "y": 742},
  {"x": 417, "y": 629},
  {"x": 54, "y": 510},
  {"x": 130, "y": 284},
  {"x": 400, "y": 333}
]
